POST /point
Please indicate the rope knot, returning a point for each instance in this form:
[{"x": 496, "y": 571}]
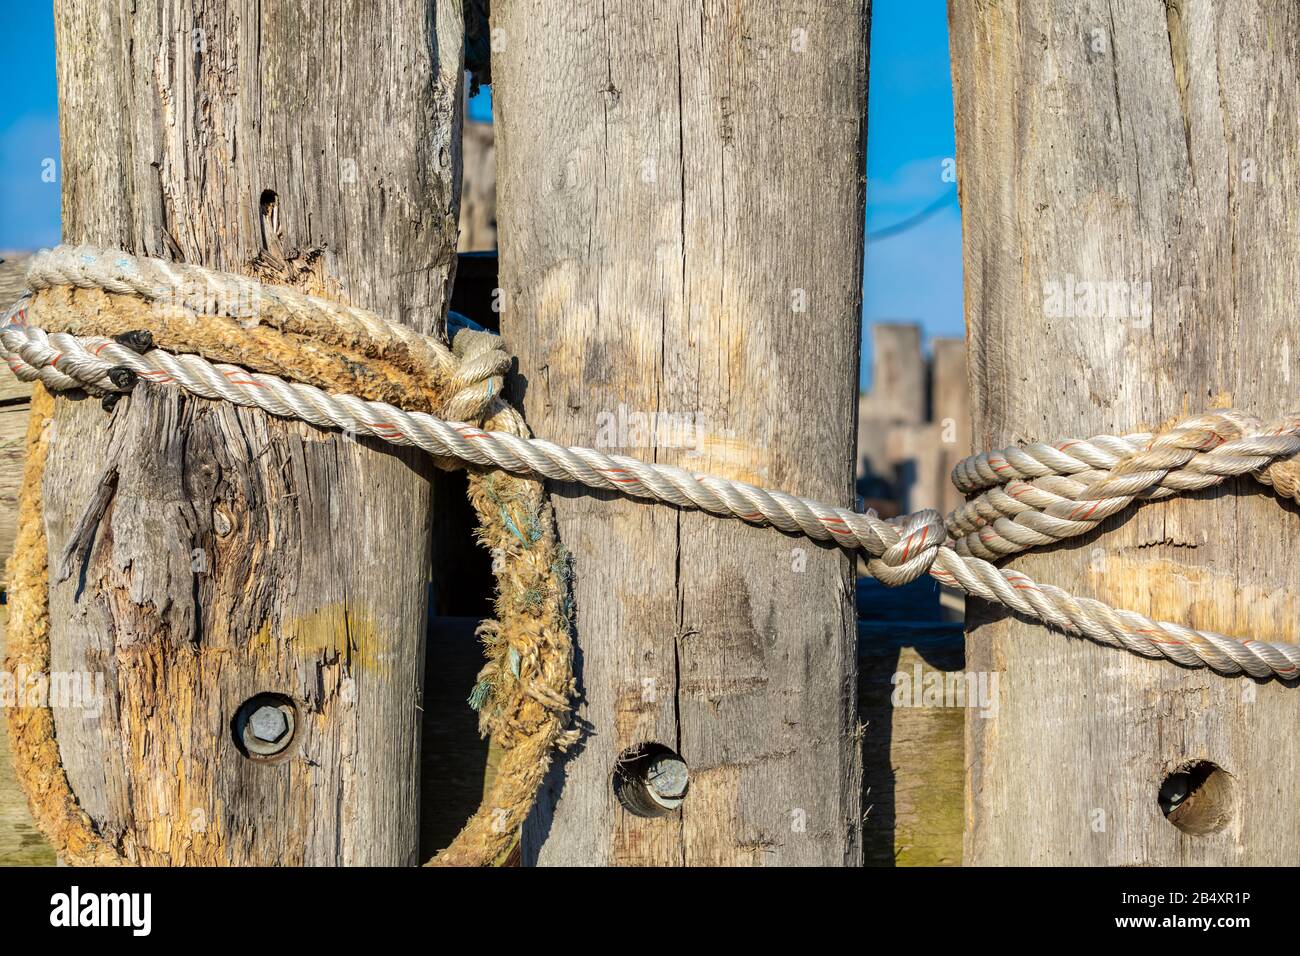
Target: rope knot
[
  {"x": 482, "y": 362},
  {"x": 912, "y": 545}
]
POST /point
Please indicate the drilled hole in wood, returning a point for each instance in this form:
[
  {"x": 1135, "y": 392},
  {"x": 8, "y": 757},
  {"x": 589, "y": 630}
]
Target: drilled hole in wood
[
  {"x": 264, "y": 727},
  {"x": 270, "y": 206},
  {"x": 1199, "y": 798},
  {"x": 650, "y": 780}
]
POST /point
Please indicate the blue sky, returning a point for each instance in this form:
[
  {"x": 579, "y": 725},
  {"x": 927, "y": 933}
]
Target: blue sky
[
  {"x": 912, "y": 275},
  {"x": 29, "y": 130}
]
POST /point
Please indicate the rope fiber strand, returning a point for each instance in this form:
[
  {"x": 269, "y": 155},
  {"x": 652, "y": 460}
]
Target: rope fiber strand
[{"x": 231, "y": 338}]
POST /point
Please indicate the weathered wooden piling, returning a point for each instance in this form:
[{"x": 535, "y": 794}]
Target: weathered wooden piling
[
  {"x": 1127, "y": 177},
  {"x": 679, "y": 285},
  {"x": 244, "y": 555}
]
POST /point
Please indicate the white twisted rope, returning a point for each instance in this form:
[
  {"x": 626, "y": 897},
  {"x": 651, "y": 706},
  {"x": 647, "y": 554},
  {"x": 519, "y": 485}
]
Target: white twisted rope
[
  {"x": 1035, "y": 494},
  {"x": 1038, "y": 494}
]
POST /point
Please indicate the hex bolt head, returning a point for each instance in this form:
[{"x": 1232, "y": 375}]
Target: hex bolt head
[
  {"x": 268, "y": 724},
  {"x": 666, "y": 781},
  {"x": 650, "y": 780},
  {"x": 264, "y": 726}
]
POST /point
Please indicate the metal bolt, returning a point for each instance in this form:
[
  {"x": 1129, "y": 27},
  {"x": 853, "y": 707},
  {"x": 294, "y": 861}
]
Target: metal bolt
[
  {"x": 666, "y": 779},
  {"x": 650, "y": 780},
  {"x": 268, "y": 723},
  {"x": 264, "y": 725}
]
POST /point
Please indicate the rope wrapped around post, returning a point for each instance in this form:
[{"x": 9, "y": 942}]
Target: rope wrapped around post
[
  {"x": 232, "y": 338},
  {"x": 523, "y": 691}
]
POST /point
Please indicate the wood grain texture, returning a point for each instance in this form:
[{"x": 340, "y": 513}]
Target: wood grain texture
[
  {"x": 13, "y": 433},
  {"x": 20, "y": 843},
  {"x": 13, "y": 281},
  {"x": 950, "y": 411},
  {"x": 1118, "y": 143},
  {"x": 680, "y": 218},
  {"x": 13, "y": 277},
  {"x": 457, "y": 766},
  {"x": 243, "y": 554},
  {"x": 13, "y": 391},
  {"x": 913, "y": 757}
]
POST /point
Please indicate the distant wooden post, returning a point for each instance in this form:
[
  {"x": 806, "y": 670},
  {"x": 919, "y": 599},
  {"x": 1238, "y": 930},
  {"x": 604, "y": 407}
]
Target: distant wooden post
[
  {"x": 897, "y": 373},
  {"x": 243, "y": 554},
  {"x": 950, "y": 412},
  {"x": 891, "y": 412},
  {"x": 914, "y": 423},
  {"x": 1129, "y": 196},
  {"x": 681, "y": 231},
  {"x": 478, "y": 200}
]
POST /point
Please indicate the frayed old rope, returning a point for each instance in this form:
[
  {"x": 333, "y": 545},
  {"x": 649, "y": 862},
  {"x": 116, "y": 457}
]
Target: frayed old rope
[
  {"x": 260, "y": 335},
  {"x": 524, "y": 688}
]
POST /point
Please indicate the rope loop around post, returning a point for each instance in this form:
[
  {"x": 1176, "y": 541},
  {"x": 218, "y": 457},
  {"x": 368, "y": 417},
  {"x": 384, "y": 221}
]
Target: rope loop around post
[{"x": 107, "y": 297}]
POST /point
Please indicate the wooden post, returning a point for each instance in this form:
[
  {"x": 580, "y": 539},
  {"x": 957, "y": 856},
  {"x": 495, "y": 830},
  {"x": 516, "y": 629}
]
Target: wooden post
[
  {"x": 15, "y": 398},
  {"x": 241, "y": 554},
  {"x": 892, "y": 411},
  {"x": 478, "y": 198},
  {"x": 681, "y": 203},
  {"x": 912, "y": 756},
  {"x": 897, "y": 373},
  {"x": 1129, "y": 195},
  {"x": 950, "y": 413}
]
